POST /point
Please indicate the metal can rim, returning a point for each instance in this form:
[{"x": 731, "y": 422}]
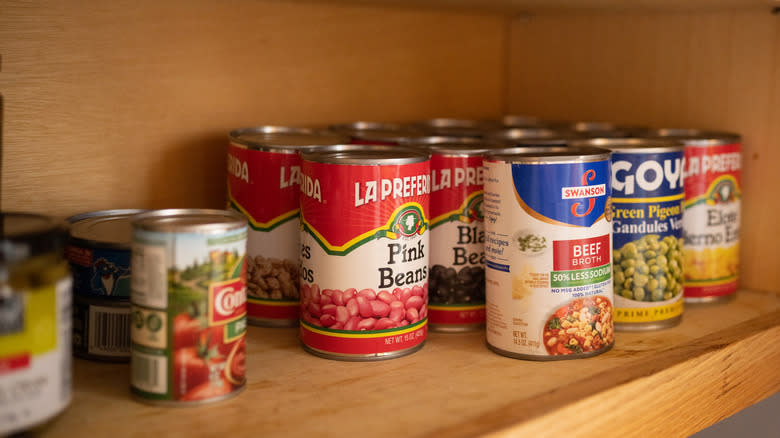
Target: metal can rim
[
  {"x": 547, "y": 155},
  {"x": 366, "y": 155},
  {"x": 164, "y": 221},
  {"x": 97, "y": 243},
  {"x": 702, "y": 137},
  {"x": 235, "y": 138},
  {"x": 639, "y": 145}
]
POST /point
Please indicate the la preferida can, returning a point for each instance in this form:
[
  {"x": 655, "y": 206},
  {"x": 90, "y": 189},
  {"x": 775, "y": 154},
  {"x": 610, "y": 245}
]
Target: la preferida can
[
  {"x": 548, "y": 252},
  {"x": 456, "y": 289},
  {"x": 647, "y": 225},
  {"x": 188, "y": 306},
  {"x": 35, "y": 322},
  {"x": 99, "y": 255},
  {"x": 713, "y": 194},
  {"x": 364, "y": 251},
  {"x": 263, "y": 184}
]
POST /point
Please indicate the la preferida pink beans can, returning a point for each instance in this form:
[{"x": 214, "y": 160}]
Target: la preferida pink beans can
[{"x": 364, "y": 251}]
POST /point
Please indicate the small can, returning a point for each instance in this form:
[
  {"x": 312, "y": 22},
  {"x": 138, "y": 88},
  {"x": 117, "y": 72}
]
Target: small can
[
  {"x": 99, "y": 255},
  {"x": 547, "y": 249},
  {"x": 647, "y": 231},
  {"x": 377, "y": 132},
  {"x": 35, "y": 322},
  {"x": 457, "y": 242},
  {"x": 188, "y": 306},
  {"x": 523, "y": 137},
  {"x": 264, "y": 168},
  {"x": 713, "y": 193},
  {"x": 452, "y": 127},
  {"x": 364, "y": 252}
]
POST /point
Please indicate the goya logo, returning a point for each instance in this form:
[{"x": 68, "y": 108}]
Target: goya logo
[
  {"x": 228, "y": 301},
  {"x": 408, "y": 222},
  {"x": 643, "y": 174}
]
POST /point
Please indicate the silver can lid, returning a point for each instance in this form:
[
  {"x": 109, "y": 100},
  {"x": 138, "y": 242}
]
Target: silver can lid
[
  {"x": 543, "y": 155},
  {"x": 112, "y": 228},
  {"x": 452, "y": 127},
  {"x": 380, "y": 132},
  {"x": 633, "y": 145},
  {"x": 694, "y": 137},
  {"x": 600, "y": 129},
  {"x": 366, "y": 155},
  {"x": 283, "y": 138},
  {"x": 189, "y": 220}
]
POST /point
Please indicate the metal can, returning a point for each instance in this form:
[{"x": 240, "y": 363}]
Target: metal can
[
  {"x": 547, "y": 248},
  {"x": 600, "y": 129},
  {"x": 647, "y": 231},
  {"x": 518, "y": 121},
  {"x": 377, "y": 132},
  {"x": 263, "y": 184},
  {"x": 189, "y": 306},
  {"x": 35, "y": 322},
  {"x": 428, "y": 140},
  {"x": 452, "y": 127},
  {"x": 364, "y": 252},
  {"x": 713, "y": 193},
  {"x": 457, "y": 243},
  {"x": 99, "y": 255},
  {"x": 522, "y": 137}
]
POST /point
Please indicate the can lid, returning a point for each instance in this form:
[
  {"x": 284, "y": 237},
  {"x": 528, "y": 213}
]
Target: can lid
[
  {"x": 452, "y": 127},
  {"x": 25, "y": 235},
  {"x": 694, "y": 137},
  {"x": 366, "y": 155},
  {"x": 477, "y": 148},
  {"x": 634, "y": 144},
  {"x": 106, "y": 227},
  {"x": 283, "y": 138},
  {"x": 182, "y": 220},
  {"x": 551, "y": 154},
  {"x": 520, "y": 121},
  {"x": 599, "y": 129},
  {"x": 515, "y": 135}
]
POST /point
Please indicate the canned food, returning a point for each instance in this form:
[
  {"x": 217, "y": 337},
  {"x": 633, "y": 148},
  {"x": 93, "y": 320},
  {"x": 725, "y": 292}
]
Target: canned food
[
  {"x": 647, "y": 231},
  {"x": 35, "y": 322},
  {"x": 713, "y": 194},
  {"x": 547, "y": 250},
  {"x": 457, "y": 276},
  {"x": 519, "y": 121},
  {"x": 99, "y": 255},
  {"x": 445, "y": 139},
  {"x": 189, "y": 306},
  {"x": 451, "y": 127},
  {"x": 263, "y": 184},
  {"x": 377, "y": 132},
  {"x": 364, "y": 252},
  {"x": 600, "y": 129},
  {"x": 520, "y": 137}
]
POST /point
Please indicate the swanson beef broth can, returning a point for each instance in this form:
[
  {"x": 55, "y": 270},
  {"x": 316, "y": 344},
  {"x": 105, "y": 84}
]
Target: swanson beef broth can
[
  {"x": 377, "y": 132},
  {"x": 647, "y": 231},
  {"x": 263, "y": 184},
  {"x": 99, "y": 256},
  {"x": 364, "y": 251},
  {"x": 713, "y": 193},
  {"x": 189, "y": 306},
  {"x": 548, "y": 252}
]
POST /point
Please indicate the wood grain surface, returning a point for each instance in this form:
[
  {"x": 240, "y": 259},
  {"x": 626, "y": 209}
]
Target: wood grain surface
[{"x": 720, "y": 359}]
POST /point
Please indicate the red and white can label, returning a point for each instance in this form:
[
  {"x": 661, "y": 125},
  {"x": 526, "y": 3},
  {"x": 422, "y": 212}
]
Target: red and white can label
[
  {"x": 264, "y": 187},
  {"x": 711, "y": 220},
  {"x": 457, "y": 283},
  {"x": 364, "y": 257}
]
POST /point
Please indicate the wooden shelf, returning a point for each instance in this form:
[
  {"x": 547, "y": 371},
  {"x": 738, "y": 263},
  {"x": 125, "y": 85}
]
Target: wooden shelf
[{"x": 721, "y": 359}]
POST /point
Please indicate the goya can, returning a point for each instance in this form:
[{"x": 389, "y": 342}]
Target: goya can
[
  {"x": 376, "y": 132},
  {"x": 647, "y": 231},
  {"x": 548, "y": 252},
  {"x": 35, "y": 322},
  {"x": 364, "y": 251},
  {"x": 189, "y": 306},
  {"x": 263, "y": 184},
  {"x": 99, "y": 255},
  {"x": 713, "y": 194},
  {"x": 457, "y": 257}
]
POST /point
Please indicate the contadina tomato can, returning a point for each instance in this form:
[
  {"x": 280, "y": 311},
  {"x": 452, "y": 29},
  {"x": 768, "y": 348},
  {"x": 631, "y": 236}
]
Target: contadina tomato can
[
  {"x": 713, "y": 194},
  {"x": 364, "y": 251},
  {"x": 548, "y": 252},
  {"x": 263, "y": 184},
  {"x": 99, "y": 255},
  {"x": 647, "y": 231},
  {"x": 189, "y": 306},
  {"x": 35, "y": 322}
]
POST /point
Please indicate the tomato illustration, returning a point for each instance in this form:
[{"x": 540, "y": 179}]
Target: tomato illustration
[
  {"x": 208, "y": 390},
  {"x": 189, "y": 370},
  {"x": 235, "y": 368},
  {"x": 186, "y": 330}
]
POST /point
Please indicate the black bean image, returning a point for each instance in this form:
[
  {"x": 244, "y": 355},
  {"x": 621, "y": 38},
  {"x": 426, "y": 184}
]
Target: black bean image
[{"x": 466, "y": 286}]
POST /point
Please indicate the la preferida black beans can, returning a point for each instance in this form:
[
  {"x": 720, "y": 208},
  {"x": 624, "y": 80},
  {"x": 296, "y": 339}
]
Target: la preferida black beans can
[
  {"x": 188, "y": 306},
  {"x": 364, "y": 251}
]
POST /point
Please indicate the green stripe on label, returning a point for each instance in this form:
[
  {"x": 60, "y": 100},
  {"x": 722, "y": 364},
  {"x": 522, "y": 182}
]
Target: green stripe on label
[{"x": 580, "y": 277}]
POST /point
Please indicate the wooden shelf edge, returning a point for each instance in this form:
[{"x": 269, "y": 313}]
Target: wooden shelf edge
[{"x": 682, "y": 390}]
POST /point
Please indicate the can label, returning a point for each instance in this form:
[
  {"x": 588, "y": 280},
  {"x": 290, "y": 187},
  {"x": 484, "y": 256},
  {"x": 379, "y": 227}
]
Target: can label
[
  {"x": 188, "y": 315},
  {"x": 364, "y": 257},
  {"x": 457, "y": 284},
  {"x": 547, "y": 244},
  {"x": 101, "y": 329},
  {"x": 647, "y": 224},
  {"x": 264, "y": 187},
  {"x": 100, "y": 272},
  {"x": 35, "y": 356},
  {"x": 713, "y": 195}
]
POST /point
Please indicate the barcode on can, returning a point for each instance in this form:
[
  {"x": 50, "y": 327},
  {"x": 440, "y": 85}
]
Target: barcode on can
[
  {"x": 149, "y": 372},
  {"x": 109, "y": 331}
]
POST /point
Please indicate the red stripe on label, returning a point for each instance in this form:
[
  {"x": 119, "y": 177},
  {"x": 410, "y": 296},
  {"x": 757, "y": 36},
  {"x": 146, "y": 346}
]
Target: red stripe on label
[
  {"x": 255, "y": 310},
  {"x": 383, "y": 344},
  {"x": 569, "y": 255},
  {"x": 8, "y": 364},
  {"x": 715, "y": 290},
  {"x": 456, "y": 316}
]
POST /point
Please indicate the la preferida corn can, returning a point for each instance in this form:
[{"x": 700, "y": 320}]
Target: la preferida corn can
[
  {"x": 364, "y": 251},
  {"x": 548, "y": 252},
  {"x": 647, "y": 224}
]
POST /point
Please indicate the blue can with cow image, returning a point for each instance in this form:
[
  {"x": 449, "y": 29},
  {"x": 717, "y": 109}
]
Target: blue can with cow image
[{"x": 99, "y": 255}]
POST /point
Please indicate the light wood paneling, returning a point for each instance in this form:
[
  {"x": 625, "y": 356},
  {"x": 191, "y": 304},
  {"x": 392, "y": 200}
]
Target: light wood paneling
[
  {"x": 128, "y": 103},
  {"x": 713, "y": 70}
]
